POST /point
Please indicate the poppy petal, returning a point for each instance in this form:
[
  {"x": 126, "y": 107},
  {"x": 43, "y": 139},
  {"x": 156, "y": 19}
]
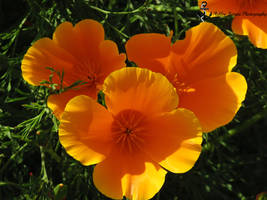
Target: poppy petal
[
  {"x": 42, "y": 55},
  {"x": 254, "y": 27},
  {"x": 135, "y": 177},
  {"x": 204, "y": 53},
  {"x": 216, "y": 7},
  {"x": 57, "y": 102},
  {"x": 85, "y": 130},
  {"x": 180, "y": 142},
  {"x": 110, "y": 58},
  {"x": 139, "y": 89},
  {"x": 215, "y": 101},
  {"x": 82, "y": 40},
  {"x": 145, "y": 49}
]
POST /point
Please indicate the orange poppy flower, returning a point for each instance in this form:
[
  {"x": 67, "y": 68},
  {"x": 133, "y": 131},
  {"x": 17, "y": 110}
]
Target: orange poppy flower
[
  {"x": 250, "y": 17},
  {"x": 200, "y": 69},
  {"x": 80, "y": 52},
  {"x": 136, "y": 139}
]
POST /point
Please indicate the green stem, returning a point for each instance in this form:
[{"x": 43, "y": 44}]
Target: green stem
[
  {"x": 250, "y": 122},
  {"x": 13, "y": 157},
  {"x": 175, "y": 22},
  {"x": 117, "y": 30},
  {"x": 43, "y": 169},
  {"x": 122, "y": 12},
  {"x": 7, "y": 183}
]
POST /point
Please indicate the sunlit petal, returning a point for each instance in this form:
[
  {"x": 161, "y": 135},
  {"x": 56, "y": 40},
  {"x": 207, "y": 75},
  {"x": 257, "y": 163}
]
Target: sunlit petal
[
  {"x": 205, "y": 52},
  {"x": 177, "y": 147},
  {"x": 42, "y": 55},
  {"x": 215, "y": 101},
  {"x": 146, "y": 49},
  {"x": 254, "y": 27},
  {"x": 135, "y": 177},
  {"x": 85, "y": 130},
  {"x": 139, "y": 89},
  {"x": 81, "y": 40},
  {"x": 57, "y": 102}
]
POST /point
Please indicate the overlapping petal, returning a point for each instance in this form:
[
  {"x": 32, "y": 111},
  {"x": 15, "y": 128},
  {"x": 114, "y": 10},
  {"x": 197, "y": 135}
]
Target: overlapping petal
[
  {"x": 250, "y": 17},
  {"x": 85, "y": 130},
  {"x": 58, "y": 102},
  {"x": 135, "y": 176},
  {"x": 220, "y": 7},
  {"x": 80, "y": 52},
  {"x": 42, "y": 55},
  {"x": 81, "y": 40},
  {"x": 215, "y": 101},
  {"x": 139, "y": 89},
  {"x": 132, "y": 142},
  {"x": 146, "y": 50},
  {"x": 254, "y": 27},
  {"x": 205, "y": 54},
  {"x": 179, "y": 146}
]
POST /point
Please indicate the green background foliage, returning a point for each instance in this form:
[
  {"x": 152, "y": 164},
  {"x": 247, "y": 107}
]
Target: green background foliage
[{"x": 33, "y": 164}]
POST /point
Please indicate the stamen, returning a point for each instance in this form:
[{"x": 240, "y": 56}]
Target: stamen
[
  {"x": 127, "y": 128},
  {"x": 128, "y": 131},
  {"x": 87, "y": 71}
]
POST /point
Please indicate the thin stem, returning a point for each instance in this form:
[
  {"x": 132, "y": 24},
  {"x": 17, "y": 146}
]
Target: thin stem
[
  {"x": 43, "y": 170},
  {"x": 139, "y": 9},
  {"x": 13, "y": 157}
]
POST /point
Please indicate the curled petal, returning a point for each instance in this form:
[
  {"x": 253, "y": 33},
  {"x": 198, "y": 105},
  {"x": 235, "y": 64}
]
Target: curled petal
[
  {"x": 82, "y": 40},
  {"x": 215, "y": 101},
  {"x": 42, "y": 55},
  {"x": 139, "y": 89},
  {"x": 85, "y": 130},
  {"x": 217, "y": 7},
  {"x": 110, "y": 58},
  {"x": 254, "y": 27},
  {"x": 135, "y": 177},
  {"x": 205, "y": 52},
  {"x": 58, "y": 102},
  {"x": 179, "y": 136},
  {"x": 145, "y": 50}
]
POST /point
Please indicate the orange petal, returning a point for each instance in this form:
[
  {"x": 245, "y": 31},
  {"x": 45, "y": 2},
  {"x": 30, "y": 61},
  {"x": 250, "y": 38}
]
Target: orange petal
[
  {"x": 218, "y": 7},
  {"x": 57, "y": 102},
  {"x": 254, "y": 27},
  {"x": 135, "y": 177},
  {"x": 145, "y": 49},
  {"x": 85, "y": 130},
  {"x": 215, "y": 101},
  {"x": 204, "y": 53},
  {"x": 45, "y": 53},
  {"x": 140, "y": 90},
  {"x": 110, "y": 58},
  {"x": 81, "y": 41},
  {"x": 178, "y": 134}
]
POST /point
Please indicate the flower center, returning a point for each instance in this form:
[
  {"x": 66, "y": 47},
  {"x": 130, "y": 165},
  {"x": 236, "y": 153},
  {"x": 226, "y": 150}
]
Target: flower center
[
  {"x": 89, "y": 72},
  {"x": 127, "y": 129},
  {"x": 180, "y": 86}
]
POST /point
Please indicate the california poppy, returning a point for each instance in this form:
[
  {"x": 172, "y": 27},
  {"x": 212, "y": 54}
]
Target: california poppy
[
  {"x": 250, "y": 17},
  {"x": 200, "y": 69},
  {"x": 80, "y": 53},
  {"x": 136, "y": 139}
]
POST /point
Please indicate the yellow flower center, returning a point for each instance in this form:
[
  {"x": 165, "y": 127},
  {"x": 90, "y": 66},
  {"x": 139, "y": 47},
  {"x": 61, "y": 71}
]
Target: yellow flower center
[{"x": 127, "y": 129}]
